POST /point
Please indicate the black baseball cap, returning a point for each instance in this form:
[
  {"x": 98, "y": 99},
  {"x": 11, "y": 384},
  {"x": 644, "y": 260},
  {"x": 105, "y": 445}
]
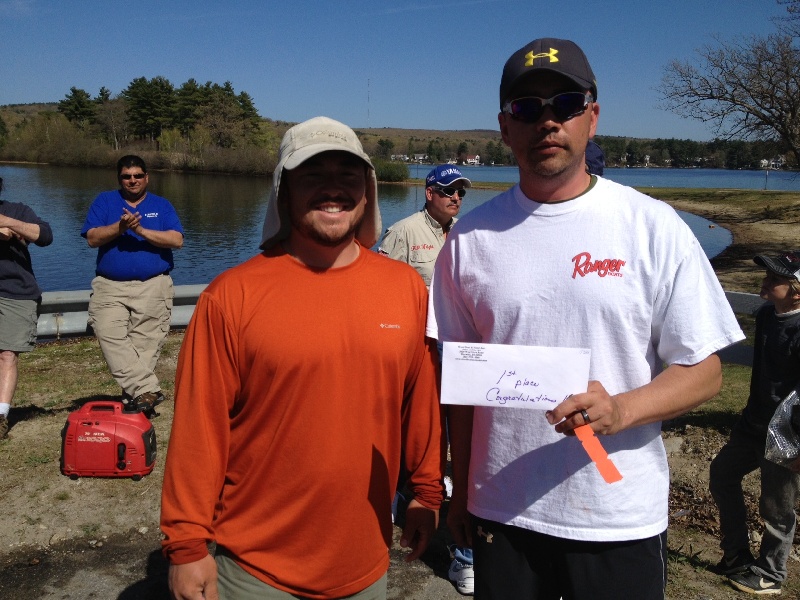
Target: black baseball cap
[
  {"x": 786, "y": 265},
  {"x": 547, "y": 54}
]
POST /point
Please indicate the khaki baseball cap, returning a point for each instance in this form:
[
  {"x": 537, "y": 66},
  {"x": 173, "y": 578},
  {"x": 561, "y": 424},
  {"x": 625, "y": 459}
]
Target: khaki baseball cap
[{"x": 302, "y": 142}]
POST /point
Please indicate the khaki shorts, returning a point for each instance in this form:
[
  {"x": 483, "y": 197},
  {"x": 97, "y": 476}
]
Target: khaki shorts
[{"x": 18, "y": 319}]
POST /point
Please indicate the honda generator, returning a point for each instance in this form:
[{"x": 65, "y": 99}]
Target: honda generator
[{"x": 100, "y": 439}]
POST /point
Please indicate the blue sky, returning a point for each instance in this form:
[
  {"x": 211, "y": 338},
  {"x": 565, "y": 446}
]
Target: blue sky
[{"x": 429, "y": 64}]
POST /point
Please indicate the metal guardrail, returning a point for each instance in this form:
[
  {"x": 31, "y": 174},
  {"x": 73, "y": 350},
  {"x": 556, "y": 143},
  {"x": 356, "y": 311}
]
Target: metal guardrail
[
  {"x": 746, "y": 304},
  {"x": 65, "y": 314}
]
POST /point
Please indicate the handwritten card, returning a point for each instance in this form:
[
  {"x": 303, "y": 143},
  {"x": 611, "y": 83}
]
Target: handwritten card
[{"x": 512, "y": 376}]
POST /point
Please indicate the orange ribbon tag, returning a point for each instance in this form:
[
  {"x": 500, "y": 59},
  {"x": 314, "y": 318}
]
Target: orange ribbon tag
[{"x": 597, "y": 453}]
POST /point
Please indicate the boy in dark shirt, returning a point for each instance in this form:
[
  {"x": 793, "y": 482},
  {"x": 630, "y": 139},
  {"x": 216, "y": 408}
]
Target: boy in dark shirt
[{"x": 776, "y": 372}]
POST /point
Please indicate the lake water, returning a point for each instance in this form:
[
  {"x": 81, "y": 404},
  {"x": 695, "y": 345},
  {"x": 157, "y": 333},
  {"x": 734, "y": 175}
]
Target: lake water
[
  {"x": 223, "y": 214},
  {"x": 641, "y": 177}
]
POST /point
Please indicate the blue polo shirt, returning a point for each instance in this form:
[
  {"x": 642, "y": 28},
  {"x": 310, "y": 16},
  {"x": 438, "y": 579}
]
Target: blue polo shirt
[{"x": 129, "y": 256}]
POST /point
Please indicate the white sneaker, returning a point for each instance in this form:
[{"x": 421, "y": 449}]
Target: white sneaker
[{"x": 463, "y": 576}]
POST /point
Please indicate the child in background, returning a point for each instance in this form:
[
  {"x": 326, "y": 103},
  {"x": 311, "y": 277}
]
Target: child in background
[{"x": 776, "y": 372}]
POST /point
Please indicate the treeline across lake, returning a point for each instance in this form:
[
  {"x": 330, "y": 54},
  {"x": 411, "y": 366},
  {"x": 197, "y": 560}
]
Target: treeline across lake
[
  {"x": 716, "y": 154},
  {"x": 203, "y": 127},
  {"x": 211, "y": 128}
]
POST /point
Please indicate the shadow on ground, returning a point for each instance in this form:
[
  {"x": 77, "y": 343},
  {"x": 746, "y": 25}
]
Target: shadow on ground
[{"x": 130, "y": 567}]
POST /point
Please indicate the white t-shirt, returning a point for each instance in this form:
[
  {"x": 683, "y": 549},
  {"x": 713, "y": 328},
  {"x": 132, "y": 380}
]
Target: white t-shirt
[{"x": 614, "y": 271}]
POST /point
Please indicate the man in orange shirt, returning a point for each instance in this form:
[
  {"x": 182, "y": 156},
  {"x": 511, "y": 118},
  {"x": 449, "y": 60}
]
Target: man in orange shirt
[{"x": 303, "y": 373}]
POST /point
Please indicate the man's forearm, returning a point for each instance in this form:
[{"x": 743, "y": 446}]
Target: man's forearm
[
  {"x": 673, "y": 392},
  {"x": 161, "y": 239},
  {"x": 678, "y": 389},
  {"x": 27, "y": 231},
  {"x": 99, "y": 236}
]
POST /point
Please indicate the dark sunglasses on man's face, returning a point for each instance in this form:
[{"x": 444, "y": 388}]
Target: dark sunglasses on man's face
[
  {"x": 451, "y": 191},
  {"x": 565, "y": 106},
  {"x": 127, "y": 176}
]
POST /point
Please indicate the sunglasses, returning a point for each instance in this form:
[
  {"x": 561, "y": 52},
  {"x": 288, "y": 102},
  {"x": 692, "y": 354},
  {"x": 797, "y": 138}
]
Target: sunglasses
[
  {"x": 128, "y": 176},
  {"x": 565, "y": 106},
  {"x": 450, "y": 191}
]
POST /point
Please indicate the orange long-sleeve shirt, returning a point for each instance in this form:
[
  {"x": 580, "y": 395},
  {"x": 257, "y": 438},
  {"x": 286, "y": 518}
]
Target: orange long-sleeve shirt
[{"x": 295, "y": 390}]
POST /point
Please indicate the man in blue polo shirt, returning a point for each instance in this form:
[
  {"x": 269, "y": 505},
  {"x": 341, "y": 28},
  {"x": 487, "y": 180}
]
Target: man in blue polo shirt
[{"x": 131, "y": 304}]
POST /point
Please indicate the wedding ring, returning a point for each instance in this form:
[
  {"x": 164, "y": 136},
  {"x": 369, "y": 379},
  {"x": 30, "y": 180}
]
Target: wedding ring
[{"x": 585, "y": 416}]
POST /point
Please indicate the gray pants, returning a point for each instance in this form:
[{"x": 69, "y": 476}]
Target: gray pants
[
  {"x": 131, "y": 321},
  {"x": 780, "y": 490},
  {"x": 237, "y": 584}
]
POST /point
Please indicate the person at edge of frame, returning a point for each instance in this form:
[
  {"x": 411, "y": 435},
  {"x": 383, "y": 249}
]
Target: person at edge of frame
[
  {"x": 775, "y": 373},
  {"x": 20, "y": 295}
]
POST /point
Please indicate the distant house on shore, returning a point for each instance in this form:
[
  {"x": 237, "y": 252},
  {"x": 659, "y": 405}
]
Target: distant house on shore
[
  {"x": 474, "y": 160},
  {"x": 775, "y": 163},
  {"x": 417, "y": 158}
]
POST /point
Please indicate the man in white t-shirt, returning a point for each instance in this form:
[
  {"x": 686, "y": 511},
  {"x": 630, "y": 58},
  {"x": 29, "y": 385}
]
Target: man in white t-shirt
[{"x": 569, "y": 259}]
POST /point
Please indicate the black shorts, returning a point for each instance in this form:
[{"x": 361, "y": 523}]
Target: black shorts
[{"x": 511, "y": 562}]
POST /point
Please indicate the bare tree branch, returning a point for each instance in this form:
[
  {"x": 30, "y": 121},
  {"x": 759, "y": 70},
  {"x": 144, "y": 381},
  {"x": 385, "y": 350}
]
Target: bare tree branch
[
  {"x": 747, "y": 88},
  {"x": 790, "y": 23}
]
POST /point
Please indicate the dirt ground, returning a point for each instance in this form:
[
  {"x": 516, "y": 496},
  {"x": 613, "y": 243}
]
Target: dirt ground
[{"x": 99, "y": 538}]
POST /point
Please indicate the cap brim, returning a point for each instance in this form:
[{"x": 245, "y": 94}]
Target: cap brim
[
  {"x": 776, "y": 267},
  {"x": 467, "y": 182},
  {"x": 578, "y": 81},
  {"x": 303, "y": 154}
]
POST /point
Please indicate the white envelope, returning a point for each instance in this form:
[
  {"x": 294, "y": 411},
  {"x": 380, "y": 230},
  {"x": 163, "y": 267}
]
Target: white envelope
[{"x": 509, "y": 376}]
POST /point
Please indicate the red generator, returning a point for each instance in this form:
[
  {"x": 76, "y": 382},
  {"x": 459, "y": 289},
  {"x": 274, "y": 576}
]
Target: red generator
[{"x": 101, "y": 440}]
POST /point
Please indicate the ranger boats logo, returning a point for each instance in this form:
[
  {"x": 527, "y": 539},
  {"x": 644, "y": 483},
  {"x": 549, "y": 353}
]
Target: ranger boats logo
[{"x": 608, "y": 266}]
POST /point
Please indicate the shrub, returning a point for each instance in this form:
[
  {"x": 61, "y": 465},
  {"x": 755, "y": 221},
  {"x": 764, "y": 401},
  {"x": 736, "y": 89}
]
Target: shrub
[{"x": 390, "y": 171}]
